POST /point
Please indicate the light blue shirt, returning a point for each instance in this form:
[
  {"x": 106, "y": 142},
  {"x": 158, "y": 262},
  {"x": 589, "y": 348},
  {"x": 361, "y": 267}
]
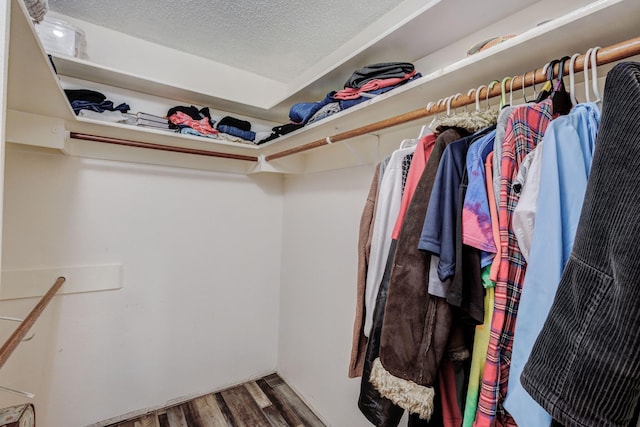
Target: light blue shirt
[{"x": 566, "y": 160}]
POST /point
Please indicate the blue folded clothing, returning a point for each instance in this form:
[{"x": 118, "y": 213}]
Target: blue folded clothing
[{"x": 249, "y": 135}]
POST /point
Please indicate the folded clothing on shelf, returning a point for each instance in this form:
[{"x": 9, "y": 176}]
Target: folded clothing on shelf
[
  {"x": 279, "y": 131},
  {"x": 236, "y": 123},
  {"x": 385, "y": 70},
  {"x": 232, "y": 130},
  {"x": 85, "y": 99},
  {"x": 203, "y": 125}
]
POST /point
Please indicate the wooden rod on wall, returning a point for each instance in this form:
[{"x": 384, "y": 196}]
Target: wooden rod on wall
[
  {"x": 21, "y": 331},
  {"x": 604, "y": 56},
  {"x": 151, "y": 146}
]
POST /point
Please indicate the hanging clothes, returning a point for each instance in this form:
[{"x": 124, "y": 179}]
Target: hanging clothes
[
  {"x": 359, "y": 341},
  {"x": 527, "y": 183},
  {"x": 525, "y": 129},
  {"x": 584, "y": 368},
  {"x": 569, "y": 144},
  {"x": 387, "y": 208},
  {"x": 403, "y": 374},
  {"x": 377, "y": 409}
]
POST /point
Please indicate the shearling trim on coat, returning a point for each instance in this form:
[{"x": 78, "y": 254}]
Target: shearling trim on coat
[
  {"x": 414, "y": 398},
  {"x": 459, "y": 356}
]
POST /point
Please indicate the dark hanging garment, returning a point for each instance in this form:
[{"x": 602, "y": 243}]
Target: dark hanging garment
[
  {"x": 381, "y": 412},
  {"x": 585, "y": 365}
]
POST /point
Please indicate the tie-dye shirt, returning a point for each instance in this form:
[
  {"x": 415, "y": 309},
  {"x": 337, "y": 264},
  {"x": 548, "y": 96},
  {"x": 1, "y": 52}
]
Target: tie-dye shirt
[{"x": 476, "y": 217}]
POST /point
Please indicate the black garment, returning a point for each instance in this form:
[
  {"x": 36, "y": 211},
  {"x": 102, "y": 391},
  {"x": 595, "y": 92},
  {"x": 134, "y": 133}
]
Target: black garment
[
  {"x": 380, "y": 411},
  {"x": 85, "y": 99},
  {"x": 386, "y": 70},
  {"x": 192, "y": 112},
  {"x": 236, "y": 123},
  {"x": 278, "y": 131},
  {"x": 466, "y": 290},
  {"x": 584, "y": 368},
  {"x": 84, "y": 95}
]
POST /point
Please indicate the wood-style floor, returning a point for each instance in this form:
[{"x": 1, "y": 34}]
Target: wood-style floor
[{"x": 267, "y": 402}]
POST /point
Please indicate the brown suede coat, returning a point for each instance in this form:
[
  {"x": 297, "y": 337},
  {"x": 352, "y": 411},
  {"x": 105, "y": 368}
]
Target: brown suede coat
[
  {"x": 359, "y": 343},
  {"x": 417, "y": 326}
]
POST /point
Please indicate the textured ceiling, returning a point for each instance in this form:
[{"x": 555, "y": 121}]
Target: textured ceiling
[{"x": 278, "y": 39}]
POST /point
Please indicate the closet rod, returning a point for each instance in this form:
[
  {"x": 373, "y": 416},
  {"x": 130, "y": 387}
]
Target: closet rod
[
  {"x": 604, "y": 55},
  {"x": 151, "y": 146},
  {"x": 21, "y": 331}
]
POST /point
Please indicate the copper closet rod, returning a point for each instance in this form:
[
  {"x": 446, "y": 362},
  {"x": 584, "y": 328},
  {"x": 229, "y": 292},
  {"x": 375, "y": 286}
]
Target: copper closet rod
[
  {"x": 21, "y": 331},
  {"x": 604, "y": 56}
]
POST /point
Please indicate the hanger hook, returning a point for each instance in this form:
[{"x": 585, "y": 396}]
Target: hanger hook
[
  {"x": 511, "y": 89},
  {"x": 545, "y": 68},
  {"x": 469, "y": 96},
  {"x": 448, "y": 103},
  {"x": 533, "y": 85},
  {"x": 429, "y": 105},
  {"x": 587, "y": 55},
  {"x": 548, "y": 69},
  {"x": 435, "y": 115},
  {"x": 478, "y": 96},
  {"x": 491, "y": 84},
  {"x": 563, "y": 61},
  {"x": 594, "y": 74},
  {"x": 449, "y": 99},
  {"x": 503, "y": 92},
  {"x": 572, "y": 81},
  {"x": 524, "y": 83}
]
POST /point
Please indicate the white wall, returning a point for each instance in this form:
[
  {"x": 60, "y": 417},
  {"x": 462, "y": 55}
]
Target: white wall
[
  {"x": 318, "y": 290},
  {"x": 318, "y": 281},
  {"x": 198, "y": 310}
]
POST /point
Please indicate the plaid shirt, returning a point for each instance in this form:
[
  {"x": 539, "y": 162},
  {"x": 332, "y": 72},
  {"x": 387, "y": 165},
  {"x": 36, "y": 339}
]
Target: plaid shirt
[{"x": 525, "y": 129}]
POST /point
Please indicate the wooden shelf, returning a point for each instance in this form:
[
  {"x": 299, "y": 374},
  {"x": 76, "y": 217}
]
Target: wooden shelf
[{"x": 34, "y": 92}]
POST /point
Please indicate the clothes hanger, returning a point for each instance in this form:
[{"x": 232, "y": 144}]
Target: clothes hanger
[
  {"x": 559, "y": 96},
  {"x": 407, "y": 143},
  {"x": 572, "y": 80},
  {"x": 469, "y": 95},
  {"x": 547, "y": 89},
  {"x": 451, "y": 98},
  {"x": 478, "y": 97},
  {"x": 533, "y": 85},
  {"x": 489, "y": 87},
  {"x": 503, "y": 93},
  {"x": 587, "y": 55},
  {"x": 435, "y": 116},
  {"x": 594, "y": 75},
  {"x": 524, "y": 83},
  {"x": 511, "y": 89}
]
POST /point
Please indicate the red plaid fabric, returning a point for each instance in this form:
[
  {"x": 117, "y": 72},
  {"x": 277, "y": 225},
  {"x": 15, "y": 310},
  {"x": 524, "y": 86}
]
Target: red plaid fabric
[{"x": 525, "y": 129}]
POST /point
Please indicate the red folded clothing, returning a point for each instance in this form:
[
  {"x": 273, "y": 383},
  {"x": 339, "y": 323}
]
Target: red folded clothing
[
  {"x": 351, "y": 93},
  {"x": 202, "y": 126}
]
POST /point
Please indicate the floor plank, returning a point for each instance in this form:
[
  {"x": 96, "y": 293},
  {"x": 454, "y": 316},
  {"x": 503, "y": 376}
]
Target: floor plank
[
  {"x": 267, "y": 402},
  {"x": 275, "y": 417},
  {"x": 147, "y": 421},
  {"x": 225, "y": 410},
  {"x": 209, "y": 412},
  {"x": 280, "y": 404},
  {"x": 176, "y": 417},
  {"x": 163, "y": 420},
  {"x": 258, "y": 395},
  {"x": 309, "y": 419},
  {"x": 274, "y": 380},
  {"x": 245, "y": 410}
]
